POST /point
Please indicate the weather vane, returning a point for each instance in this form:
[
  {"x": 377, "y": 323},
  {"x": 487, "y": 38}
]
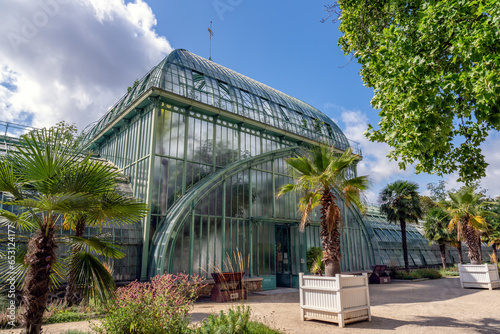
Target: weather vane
[{"x": 211, "y": 34}]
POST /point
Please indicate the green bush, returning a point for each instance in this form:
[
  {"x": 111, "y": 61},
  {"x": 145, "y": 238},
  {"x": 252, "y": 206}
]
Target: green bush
[
  {"x": 311, "y": 256},
  {"x": 417, "y": 274},
  {"x": 449, "y": 271},
  {"x": 159, "y": 306},
  {"x": 235, "y": 321},
  {"x": 259, "y": 328}
]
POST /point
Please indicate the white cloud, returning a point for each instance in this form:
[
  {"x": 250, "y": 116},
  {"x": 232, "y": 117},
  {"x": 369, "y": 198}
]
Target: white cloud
[
  {"x": 71, "y": 60},
  {"x": 491, "y": 182},
  {"x": 375, "y": 162}
]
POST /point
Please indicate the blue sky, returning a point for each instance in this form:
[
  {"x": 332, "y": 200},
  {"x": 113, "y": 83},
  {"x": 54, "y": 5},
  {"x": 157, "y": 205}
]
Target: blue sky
[{"x": 71, "y": 60}]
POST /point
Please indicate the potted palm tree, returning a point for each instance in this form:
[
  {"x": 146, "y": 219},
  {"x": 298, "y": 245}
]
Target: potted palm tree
[
  {"x": 467, "y": 210},
  {"x": 323, "y": 177}
]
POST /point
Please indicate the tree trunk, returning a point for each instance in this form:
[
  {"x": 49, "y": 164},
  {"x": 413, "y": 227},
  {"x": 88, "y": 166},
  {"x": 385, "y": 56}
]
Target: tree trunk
[
  {"x": 442, "y": 249},
  {"x": 330, "y": 233},
  {"x": 73, "y": 297},
  {"x": 480, "y": 249},
  {"x": 40, "y": 257},
  {"x": 495, "y": 254},
  {"x": 404, "y": 244},
  {"x": 471, "y": 239},
  {"x": 459, "y": 249}
]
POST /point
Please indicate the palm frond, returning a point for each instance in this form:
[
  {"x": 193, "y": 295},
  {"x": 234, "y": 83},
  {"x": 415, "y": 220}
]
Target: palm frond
[
  {"x": 61, "y": 203},
  {"x": 302, "y": 165},
  {"x": 92, "y": 279},
  {"x": 117, "y": 209},
  {"x": 8, "y": 181},
  {"x": 20, "y": 222},
  {"x": 95, "y": 246}
]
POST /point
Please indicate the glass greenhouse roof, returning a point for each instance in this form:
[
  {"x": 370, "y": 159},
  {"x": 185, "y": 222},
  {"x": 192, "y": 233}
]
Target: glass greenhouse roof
[
  {"x": 388, "y": 237},
  {"x": 191, "y": 76}
]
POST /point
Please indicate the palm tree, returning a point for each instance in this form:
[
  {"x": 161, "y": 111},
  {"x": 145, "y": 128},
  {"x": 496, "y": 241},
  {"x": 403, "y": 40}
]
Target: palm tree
[
  {"x": 400, "y": 203},
  {"x": 436, "y": 230},
  {"x": 113, "y": 207},
  {"x": 466, "y": 210},
  {"x": 322, "y": 177},
  {"x": 39, "y": 176}
]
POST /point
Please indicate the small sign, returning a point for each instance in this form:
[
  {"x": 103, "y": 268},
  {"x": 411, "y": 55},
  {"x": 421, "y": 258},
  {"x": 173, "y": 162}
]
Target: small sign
[
  {"x": 285, "y": 261},
  {"x": 302, "y": 261},
  {"x": 285, "y": 255},
  {"x": 280, "y": 256},
  {"x": 234, "y": 296}
]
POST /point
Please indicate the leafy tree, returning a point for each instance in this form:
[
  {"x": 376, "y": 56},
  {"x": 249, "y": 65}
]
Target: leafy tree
[
  {"x": 438, "y": 191},
  {"x": 467, "y": 210},
  {"x": 433, "y": 66},
  {"x": 436, "y": 230},
  {"x": 400, "y": 203},
  {"x": 47, "y": 177},
  {"x": 322, "y": 176},
  {"x": 427, "y": 204}
]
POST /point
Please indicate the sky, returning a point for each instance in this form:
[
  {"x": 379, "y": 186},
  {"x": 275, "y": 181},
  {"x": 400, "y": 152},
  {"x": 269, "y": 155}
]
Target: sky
[{"x": 72, "y": 59}]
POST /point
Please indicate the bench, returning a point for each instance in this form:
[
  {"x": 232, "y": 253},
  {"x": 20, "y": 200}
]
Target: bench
[{"x": 228, "y": 287}]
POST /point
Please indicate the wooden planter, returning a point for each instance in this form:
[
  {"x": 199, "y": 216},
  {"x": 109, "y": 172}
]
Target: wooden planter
[
  {"x": 342, "y": 299},
  {"x": 479, "y": 276}
]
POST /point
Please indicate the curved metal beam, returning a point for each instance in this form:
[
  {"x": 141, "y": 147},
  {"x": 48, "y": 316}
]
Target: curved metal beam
[{"x": 169, "y": 227}]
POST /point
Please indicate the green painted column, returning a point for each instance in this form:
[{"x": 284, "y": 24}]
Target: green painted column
[
  {"x": 223, "y": 232},
  {"x": 147, "y": 222},
  {"x": 250, "y": 225},
  {"x": 186, "y": 140}
]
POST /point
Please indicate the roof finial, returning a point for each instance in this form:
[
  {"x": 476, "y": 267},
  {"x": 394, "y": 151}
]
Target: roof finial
[{"x": 211, "y": 34}]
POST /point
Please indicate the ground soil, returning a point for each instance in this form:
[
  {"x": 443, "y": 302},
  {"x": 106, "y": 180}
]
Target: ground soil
[{"x": 432, "y": 306}]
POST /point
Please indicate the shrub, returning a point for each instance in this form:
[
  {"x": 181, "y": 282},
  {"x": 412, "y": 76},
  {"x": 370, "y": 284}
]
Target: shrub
[
  {"x": 232, "y": 322},
  {"x": 312, "y": 255},
  {"x": 416, "y": 274},
  {"x": 235, "y": 321},
  {"x": 159, "y": 306},
  {"x": 449, "y": 271},
  {"x": 66, "y": 316}
]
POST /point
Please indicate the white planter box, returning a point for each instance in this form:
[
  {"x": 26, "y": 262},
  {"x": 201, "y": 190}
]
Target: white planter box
[
  {"x": 342, "y": 299},
  {"x": 479, "y": 276}
]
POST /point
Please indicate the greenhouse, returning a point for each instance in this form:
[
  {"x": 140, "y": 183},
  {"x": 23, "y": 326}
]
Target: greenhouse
[{"x": 204, "y": 146}]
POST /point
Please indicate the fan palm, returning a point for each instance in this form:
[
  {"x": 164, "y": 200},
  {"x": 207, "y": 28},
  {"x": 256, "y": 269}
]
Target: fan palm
[
  {"x": 436, "y": 230},
  {"x": 113, "y": 206},
  {"x": 467, "y": 210},
  {"x": 491, "y": 235},
  {"x": 39, "y": 176},
  {"x": 400, "y": 203},
  {"x": 322, "y": 176}
]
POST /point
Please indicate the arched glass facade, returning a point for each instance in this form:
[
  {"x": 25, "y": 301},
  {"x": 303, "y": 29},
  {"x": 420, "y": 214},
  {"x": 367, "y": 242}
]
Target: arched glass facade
[{"x": 204, "y": 146}]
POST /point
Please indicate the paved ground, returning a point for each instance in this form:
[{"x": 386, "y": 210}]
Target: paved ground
[{"x": 433, "y": 306}]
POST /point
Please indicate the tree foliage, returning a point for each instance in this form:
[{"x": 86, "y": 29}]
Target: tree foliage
[
  {"x": 323, "y": 176},
  {"x": 400, "y": 202},
  {"x": 434, "y": 69},
  {"x": 467, "y": 211}
]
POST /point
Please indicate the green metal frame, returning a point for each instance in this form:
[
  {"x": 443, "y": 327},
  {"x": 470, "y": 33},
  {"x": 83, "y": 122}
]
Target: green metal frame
[
  {"x": 177, "y": 74},
  {"x": 162, "y": 245}
]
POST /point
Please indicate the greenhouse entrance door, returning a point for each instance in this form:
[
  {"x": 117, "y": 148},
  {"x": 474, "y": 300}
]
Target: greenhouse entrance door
[{"x": 283, "y": 256}]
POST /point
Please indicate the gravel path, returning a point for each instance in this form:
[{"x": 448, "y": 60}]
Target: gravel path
[{"x": 433, "y": 306}]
